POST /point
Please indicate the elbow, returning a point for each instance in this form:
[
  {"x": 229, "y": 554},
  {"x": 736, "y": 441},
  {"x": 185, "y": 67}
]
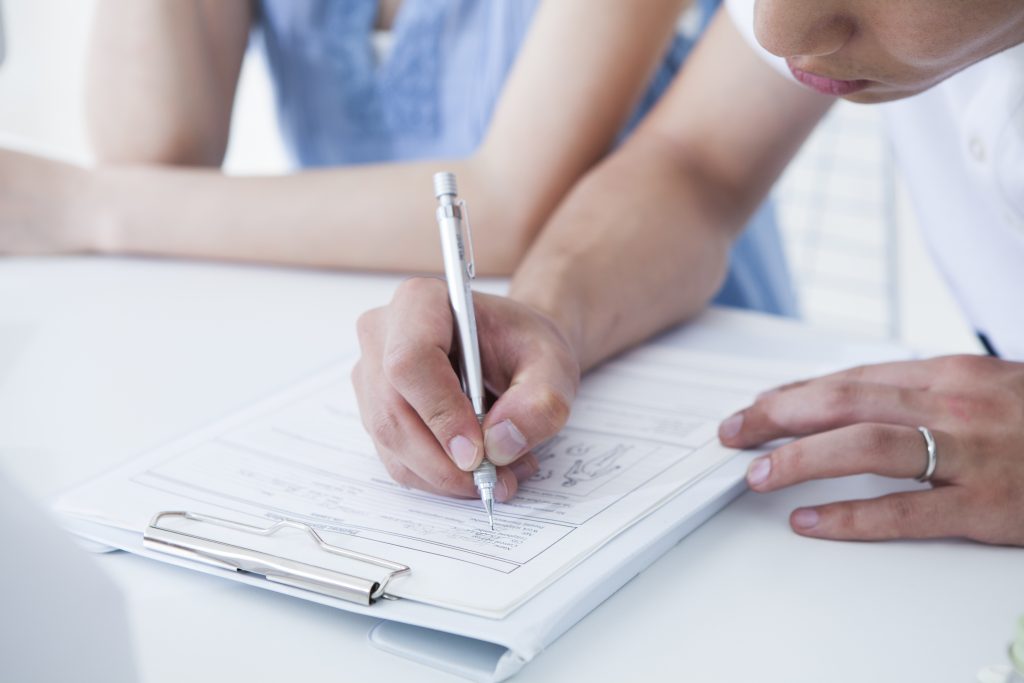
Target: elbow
[
  {"x": 113, "y": 148},
  {"x": 115, "y": 140},
  {"x": 725, "y": 193}
]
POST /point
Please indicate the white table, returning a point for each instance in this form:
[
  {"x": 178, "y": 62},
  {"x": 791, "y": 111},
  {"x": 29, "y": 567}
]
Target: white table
[{"x": 102, "y": 358}]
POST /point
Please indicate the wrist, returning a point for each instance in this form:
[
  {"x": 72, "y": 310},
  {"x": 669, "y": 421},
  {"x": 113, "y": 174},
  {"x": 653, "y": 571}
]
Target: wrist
[
  {"x": 545, "y": 291},
  {"x": 77, "y": 218},
  {"x": 106, "y": 211}
]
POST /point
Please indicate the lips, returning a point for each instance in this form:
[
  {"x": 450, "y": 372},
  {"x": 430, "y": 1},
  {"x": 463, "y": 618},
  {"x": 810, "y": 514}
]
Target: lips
[{"x": 825, "y": 85}]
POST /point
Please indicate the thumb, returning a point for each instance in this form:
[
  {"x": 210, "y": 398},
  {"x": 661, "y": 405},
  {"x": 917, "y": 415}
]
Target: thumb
[{"x": 534, "y": 408}]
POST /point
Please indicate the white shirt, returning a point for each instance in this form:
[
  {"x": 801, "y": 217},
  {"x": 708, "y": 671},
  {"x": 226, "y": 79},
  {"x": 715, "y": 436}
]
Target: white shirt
[{"x": 961, "y": 148}]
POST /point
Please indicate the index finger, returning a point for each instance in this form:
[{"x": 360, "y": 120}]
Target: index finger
[{"x": 417, "y": 365}]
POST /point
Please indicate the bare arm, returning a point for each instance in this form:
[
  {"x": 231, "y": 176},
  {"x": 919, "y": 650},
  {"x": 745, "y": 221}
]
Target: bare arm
[
  {"x": 642, "y": 242},
  {"x": 581, "y": 71},
  {"x": 639, "y": 244},
  {"x": 162, "y": 77}
]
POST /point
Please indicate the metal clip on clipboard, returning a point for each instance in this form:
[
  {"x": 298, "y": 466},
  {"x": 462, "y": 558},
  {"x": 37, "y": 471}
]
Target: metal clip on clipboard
[{"x": 272, "y": 567}]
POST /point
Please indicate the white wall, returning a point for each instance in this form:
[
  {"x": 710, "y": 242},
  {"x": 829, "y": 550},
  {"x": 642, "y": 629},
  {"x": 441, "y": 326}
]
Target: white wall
[
  {"x": 42, "y": 98},
  {"x": 41, "y": 79}
]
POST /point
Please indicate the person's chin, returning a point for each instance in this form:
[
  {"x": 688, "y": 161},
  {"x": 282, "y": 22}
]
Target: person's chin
[
  {"x": 880, "y": 95},
  {"x": 870, "y": 97}
]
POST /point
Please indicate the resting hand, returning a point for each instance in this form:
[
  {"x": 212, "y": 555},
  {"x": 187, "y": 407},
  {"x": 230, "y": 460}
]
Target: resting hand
[
  {"x": 414, "y": 409},
  {"x": 45, "y": 206},
  {"x": 865, "y": 420}
]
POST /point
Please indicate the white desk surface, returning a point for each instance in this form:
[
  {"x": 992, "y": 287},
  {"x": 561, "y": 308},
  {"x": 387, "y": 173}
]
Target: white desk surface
[{"x": 102, "y": 358}]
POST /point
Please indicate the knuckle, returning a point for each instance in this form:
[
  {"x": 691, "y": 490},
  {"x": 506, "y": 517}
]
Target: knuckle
[
  {"x": 385, "y": 430},
  {"x": 966, "y": 365},
  {"x": 401, "y": 363},
  {"x": 789, "y": 460},
  {"x": 366, "y": 325},
  {"x": 408, "y": 286},
  {"x": 769, "y": 410},
  {"x": 839, "y": 399},
  {"x": 845, "y": 518},
  {"x": 418, "y": 287},
  {"x": 901, "y": 514},
  {"x": 966, "y": 409},
  {"x": 874, "y": 439},
  {"x": 450, "y": 481},
  {"x": 358, "y": 376},
  {"x": 857, "y": 374},
  {"x": 551, "y": 405},
  {"x": 441, "y": 420}
]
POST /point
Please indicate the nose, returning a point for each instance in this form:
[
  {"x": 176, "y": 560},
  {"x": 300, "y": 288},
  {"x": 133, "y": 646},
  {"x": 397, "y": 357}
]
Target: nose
[{"x": 802, "y": 28}]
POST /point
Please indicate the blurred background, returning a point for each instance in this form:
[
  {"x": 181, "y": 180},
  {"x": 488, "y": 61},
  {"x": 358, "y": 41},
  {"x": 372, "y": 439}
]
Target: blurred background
[{"x": 850, "y": 235}]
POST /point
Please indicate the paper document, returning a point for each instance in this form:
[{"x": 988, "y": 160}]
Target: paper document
[{"x": 642, "y": 430}]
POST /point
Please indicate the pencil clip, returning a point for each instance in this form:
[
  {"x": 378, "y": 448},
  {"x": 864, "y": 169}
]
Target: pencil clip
[
  {"x": 471, "y": 264},
  {"x": 364, "y": 591}
]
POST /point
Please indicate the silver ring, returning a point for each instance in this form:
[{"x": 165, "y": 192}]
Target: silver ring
[{"x": 933, "y": 458}]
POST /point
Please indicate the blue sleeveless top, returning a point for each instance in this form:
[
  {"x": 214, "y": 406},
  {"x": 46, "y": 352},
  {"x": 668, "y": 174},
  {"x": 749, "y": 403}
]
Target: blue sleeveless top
[{"x": 433, "y": 96}]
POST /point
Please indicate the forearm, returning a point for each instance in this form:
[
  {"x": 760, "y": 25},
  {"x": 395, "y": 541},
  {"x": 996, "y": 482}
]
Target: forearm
[
  {"x": 586, "y": 80},
  {"x": 161, "y": 78},
  {"x": 368, "y": 217},
  {"x": 642, "y": 242},
  {"x": 640, "y": 245}
]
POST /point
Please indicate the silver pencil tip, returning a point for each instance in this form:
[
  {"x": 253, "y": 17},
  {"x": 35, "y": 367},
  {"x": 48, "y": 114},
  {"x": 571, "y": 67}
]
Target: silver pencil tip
[{"x": 489, "y": 506}]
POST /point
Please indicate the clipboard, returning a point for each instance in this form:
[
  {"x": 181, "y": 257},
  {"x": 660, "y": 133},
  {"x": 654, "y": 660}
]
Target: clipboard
[
  {"x": 460, "y": 642},
  {"x": 322, "y": 580},
  {"x": 475, "y": 648}
]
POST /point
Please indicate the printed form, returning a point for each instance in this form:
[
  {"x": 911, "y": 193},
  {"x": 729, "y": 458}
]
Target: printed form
[{"x": 643, "y": 429}]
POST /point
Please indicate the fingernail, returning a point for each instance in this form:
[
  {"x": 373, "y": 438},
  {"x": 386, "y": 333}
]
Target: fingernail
[
  {"x": 463, "y": 452},
  {"x": 524, "y": 468},
  {"x": 759, "y": 471},
  {"x": 501, "y": 491},
  {"x": 731, "y": 426},
  {"x": 806, "y": 518},
  {"x": 503, "y": 443}
]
